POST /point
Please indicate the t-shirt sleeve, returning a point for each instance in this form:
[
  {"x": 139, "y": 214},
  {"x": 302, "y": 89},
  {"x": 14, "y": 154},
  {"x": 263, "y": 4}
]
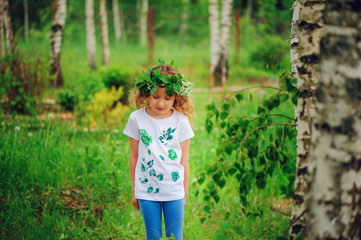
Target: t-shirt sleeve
[
  {"x": 186, "y": 131},
  {"x": 131, "y": 129}
]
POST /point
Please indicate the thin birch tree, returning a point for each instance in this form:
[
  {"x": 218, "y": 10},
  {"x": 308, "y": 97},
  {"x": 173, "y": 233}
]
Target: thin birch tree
[
  {"x": 2, "y": 37},
  {"x": 215, "y": 48},
  {"x": 144, "y": 22},
  {"x": 249, "y": 9},
  {"x": 122, "y": 24},
  {"x": 226, "y": 23},
  {"x": 26, "y": 19},
  {"x": 8, "y": 27},
  {"x": 90, "y": 34},
  {"x": 335, "y": 193},
  {"x": 219, "y": 41},
  {"x": 104, "y": 32},
  {"x": 55, "y": 42},
  {"x": 184, "y": 25},
  {"x": 306, "y": 31},
  {"x": 116, "y": 20}
]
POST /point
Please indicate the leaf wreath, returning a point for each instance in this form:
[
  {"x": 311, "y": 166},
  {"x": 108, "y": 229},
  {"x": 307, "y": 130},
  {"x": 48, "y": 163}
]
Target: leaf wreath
[{"x": 149, "y": 83}]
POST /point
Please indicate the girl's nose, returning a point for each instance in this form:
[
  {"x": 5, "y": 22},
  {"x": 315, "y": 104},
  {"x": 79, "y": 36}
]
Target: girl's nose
[{"x": 161, "y": 102}]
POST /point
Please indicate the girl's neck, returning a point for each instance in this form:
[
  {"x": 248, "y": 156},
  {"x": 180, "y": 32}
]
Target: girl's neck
[{"x": 150, "y": 113}]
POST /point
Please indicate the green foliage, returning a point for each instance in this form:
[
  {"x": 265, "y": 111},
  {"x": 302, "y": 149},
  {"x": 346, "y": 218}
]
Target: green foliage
[
  {"x": 22, "y": 79},
  {"x": 68, "y": 99},
  {"x": 149, "y": 82},
  {"x": 276, "y": 14},
  {"x": 269, "y": 52},
  {"x": 87, "y": 86},
  {"x": 251, "y": 148},
  {"x": 118, "y": 76}
]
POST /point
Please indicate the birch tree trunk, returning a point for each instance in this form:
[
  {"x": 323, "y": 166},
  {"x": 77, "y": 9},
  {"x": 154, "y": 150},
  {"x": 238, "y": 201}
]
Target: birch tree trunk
[
  {"x": 249, "y": 9},
  {"x": 144, "y": 22},
  {"x": 183, "y": 27},
  {"x": 2, "y": 37},
  {"x": 122, "y": 25},
  {"x": 226, "y": 23},
  {"x": 306, "y": 32},
  {"x": 219, "y": 43},
  {"x": 300, "y": 188},
  {"x": 8, "y": 27},
  {"x": 335, "y": 192},
  {"x": 116, "y": 19},
  {"x": 104, "y": 32},
  {"x": 55, "y": 42},
  {"x": 26, "y": 19},
  {"x": 214, "y": 41},
  {"x": 90, "y": 34}
]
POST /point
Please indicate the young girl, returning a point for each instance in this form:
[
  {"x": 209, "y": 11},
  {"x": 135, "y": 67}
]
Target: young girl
[{"x": 159, "y": 136}]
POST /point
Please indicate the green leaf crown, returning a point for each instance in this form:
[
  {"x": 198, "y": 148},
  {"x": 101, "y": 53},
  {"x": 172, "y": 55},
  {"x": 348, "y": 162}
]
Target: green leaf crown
[{"x": 149, "y": 82}]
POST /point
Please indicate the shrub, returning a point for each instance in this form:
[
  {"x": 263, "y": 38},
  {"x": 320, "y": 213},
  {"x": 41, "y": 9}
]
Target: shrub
[
  {"x": 269, "y": 52},
  {"x": 115, "y": 76},
  {"x": 88, "y": 86},
  {"x": 22, "y": 79},
  {"x": 105, "y": 108},
  {"x": 68, "y": 100}
]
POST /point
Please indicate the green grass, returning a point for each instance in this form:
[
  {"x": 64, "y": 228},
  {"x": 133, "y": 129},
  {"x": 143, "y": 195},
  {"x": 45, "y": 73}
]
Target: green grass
[{"x": 60, "y": 182}]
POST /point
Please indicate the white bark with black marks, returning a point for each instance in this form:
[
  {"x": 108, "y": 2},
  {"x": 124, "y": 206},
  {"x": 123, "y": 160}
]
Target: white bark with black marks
[
  {"x": 226, "y": 23},
  {"x": 215, "y": 47},
  {"x": 335, "y": 193},
  {"x": 56, "y": 40},
  {"x": 219, "y": 41},
  {"x": 306, "y": 30},
  {"x": 8, "y": 27}
]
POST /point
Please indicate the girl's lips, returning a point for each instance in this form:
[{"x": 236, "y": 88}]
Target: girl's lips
[{"x": 160, "y": 109}]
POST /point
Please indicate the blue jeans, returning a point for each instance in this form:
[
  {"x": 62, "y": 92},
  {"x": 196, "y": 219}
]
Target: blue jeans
[{"x": 173, "y": 217}]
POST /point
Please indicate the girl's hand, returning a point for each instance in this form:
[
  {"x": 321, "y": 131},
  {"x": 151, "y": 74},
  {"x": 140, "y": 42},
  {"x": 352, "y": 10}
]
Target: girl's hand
[
  {"x": 135, "y": 203},
  {"x": 185, "y": 202}
]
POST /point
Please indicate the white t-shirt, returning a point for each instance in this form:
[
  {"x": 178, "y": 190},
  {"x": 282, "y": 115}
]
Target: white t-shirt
[{"x": 158, "y": 174}]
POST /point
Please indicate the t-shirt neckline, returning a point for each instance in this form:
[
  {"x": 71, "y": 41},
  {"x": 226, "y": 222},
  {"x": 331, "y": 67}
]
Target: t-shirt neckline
[{"x": 162, "y": 119}]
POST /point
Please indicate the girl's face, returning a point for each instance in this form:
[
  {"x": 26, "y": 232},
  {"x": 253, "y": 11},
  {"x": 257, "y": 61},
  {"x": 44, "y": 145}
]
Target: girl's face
[{"x": 160, "y": 104}]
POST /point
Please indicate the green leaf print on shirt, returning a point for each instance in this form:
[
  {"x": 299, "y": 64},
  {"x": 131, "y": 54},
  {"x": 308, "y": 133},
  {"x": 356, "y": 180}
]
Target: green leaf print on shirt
[
  {"x": 167, "y": 136},
  {"x": 160, "y": 177},
  {"x": 172, "y": 154},
  {"x": 161, "y": 157},
  {"x": 150, "y": 189},
  {"x": 152, "y": 172},
  {"x": 143, "y": 181},
  {"x": 149, "y": 152},
  {"x": 146, "y": 139},
  {"x": 175, "y": 176},
  {"x": 150, "y": 163},
  {"x": 156, "y": 190},
  {"x": 143, "y": 168}
]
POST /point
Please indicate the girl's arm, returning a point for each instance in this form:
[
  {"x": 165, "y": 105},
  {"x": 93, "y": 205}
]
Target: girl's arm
[
  {"x": 133, "y": 157},
  {"x": 184, "y": 162}
]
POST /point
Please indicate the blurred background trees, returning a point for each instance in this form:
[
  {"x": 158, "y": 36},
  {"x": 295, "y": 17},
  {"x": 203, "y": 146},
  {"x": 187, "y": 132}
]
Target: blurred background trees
[{"x": 178, "y": 30}]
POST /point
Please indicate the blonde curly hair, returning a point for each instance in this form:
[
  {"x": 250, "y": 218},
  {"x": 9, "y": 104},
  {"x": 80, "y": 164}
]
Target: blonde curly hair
[{"x": 182, "y": 104}]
